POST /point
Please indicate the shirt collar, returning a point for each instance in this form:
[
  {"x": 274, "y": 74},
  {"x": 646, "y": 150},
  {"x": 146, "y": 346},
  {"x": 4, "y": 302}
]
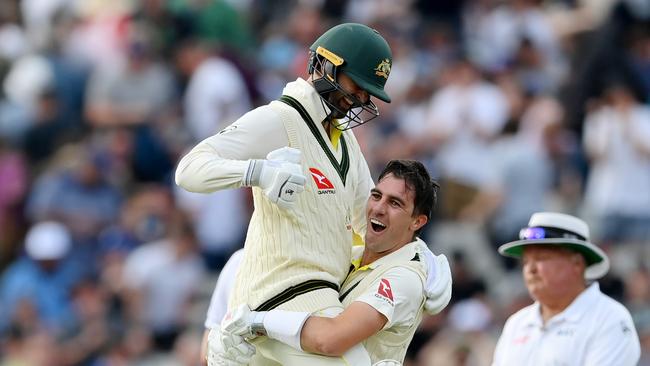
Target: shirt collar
[
  {"x": 573, "y": 313},
  {"x": 534, "y": 317},
  {"x": 305, "y": 93},
  {"x": 404, "y": 254},
  {"x": 581, "y": 304}
]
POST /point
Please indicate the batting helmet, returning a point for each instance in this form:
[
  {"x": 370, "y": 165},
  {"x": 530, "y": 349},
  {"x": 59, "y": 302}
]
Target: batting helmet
[{"x": 359, "y": 52}]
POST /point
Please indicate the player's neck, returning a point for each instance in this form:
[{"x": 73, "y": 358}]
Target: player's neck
[
  {"x": 367, "y": 258},
  {"x": 370, "y": 255}
]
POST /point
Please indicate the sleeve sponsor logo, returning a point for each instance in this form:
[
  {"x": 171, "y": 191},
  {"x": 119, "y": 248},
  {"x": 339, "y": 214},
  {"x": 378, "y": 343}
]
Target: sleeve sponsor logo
[{"x": 385, "y": 290}]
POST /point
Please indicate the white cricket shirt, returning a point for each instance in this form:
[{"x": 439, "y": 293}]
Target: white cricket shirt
[
  {"x": 594, "y": 330},
  {"x": 394, "y": 286}
]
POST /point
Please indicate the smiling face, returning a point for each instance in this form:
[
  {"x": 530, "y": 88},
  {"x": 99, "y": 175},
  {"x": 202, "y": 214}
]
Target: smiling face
[
  {"x": 390, "y": 220},
  {"x": 341, "y": 101},
  {"x": 552, "y": 275}
]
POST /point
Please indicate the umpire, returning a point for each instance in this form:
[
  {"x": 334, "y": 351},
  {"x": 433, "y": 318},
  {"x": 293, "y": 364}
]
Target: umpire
[{"x": 571, "y": 321}]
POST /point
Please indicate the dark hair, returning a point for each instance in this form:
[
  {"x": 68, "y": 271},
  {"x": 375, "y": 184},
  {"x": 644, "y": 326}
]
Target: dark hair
[{"x": 418, "y": 180}]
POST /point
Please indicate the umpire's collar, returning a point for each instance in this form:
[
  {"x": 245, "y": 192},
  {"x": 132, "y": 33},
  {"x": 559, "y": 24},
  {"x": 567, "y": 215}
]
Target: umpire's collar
[{"x": 573, "y": 313}]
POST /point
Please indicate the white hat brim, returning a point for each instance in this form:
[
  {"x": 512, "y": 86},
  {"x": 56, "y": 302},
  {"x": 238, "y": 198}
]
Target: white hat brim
[{"x": 597, "y": 260}]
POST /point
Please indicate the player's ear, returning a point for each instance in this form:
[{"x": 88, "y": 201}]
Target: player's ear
[{"x": 418, "y": 222}]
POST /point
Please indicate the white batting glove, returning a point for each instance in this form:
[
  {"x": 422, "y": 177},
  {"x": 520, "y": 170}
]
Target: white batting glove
[
  {"x": 226, "y": 349},
  {"x": 281, "y": 325},
  {"x": 438, "y": 286},
  {"x": 387, "y": 363},
  {"x": 244, "y": 322},
  {"x": 279, "y": 175}
]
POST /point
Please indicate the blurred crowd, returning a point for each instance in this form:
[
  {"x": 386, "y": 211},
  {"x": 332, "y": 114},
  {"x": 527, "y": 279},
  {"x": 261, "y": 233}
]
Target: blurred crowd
[{"x": 516, "y": 106}]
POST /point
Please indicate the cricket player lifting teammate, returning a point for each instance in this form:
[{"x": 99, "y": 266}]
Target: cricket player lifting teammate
[
  {"x": 298, "y": 244},
  {"x": 309, "y": 179},
  {"x": 384, "y": 293}
]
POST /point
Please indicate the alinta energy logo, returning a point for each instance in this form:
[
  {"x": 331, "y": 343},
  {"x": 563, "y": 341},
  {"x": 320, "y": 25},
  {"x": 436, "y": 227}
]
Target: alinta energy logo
[{"x": 322, "y": 183}]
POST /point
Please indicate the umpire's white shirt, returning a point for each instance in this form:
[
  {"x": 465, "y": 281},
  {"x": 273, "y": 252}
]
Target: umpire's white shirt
[{"x": 593, "y": 330}]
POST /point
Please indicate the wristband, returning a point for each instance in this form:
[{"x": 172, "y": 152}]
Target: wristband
[
  {"x": 285, "y": 326},
  {"x": 257, "y": 323},
  {"x": 253, "y": 172}
]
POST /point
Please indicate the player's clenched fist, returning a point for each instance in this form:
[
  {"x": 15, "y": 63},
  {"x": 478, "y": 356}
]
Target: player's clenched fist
[{"x": 279, "y": 175}]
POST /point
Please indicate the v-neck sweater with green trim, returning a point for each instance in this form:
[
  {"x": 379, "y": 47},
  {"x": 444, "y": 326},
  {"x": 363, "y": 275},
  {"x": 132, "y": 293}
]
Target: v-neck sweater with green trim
[{"x": 312, "y": 241}]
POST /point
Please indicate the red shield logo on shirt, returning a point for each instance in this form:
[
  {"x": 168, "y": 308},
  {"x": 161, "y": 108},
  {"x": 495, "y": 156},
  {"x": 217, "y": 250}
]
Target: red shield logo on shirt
[
  {"x": 385, "y": 290},
  {"x": 320, "y": 179}
]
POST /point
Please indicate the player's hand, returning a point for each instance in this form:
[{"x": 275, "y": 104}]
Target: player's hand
[
  {"x": 243, "y": 322},
  {"x": 438, "y": 286},
  {"x": 280, "y": 176},
  {"x": 387, "y": 363},
  {"x": 226, "y": 349}
]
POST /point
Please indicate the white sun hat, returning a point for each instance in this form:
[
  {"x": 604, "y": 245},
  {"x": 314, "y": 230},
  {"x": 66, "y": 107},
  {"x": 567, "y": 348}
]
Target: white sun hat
[
  {"x": 562, "y": 230},
  {"x": 47, "y": 240}
]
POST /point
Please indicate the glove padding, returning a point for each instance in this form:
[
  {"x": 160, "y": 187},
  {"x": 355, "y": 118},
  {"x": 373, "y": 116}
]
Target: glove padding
[
  {"x": 280, "y": 176},
  {"x": 281, "y": 325},
  {"x": 226, "y": 349},
  {"x": 387, "y": 363},
  {"x": 438, "y": 286},
  {"x": 243, "y": 322}
]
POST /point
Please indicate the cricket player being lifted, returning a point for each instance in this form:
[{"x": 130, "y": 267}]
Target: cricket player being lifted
[
  {"x": 299, "y": 240},
  {"x": 383, "y": 294}
]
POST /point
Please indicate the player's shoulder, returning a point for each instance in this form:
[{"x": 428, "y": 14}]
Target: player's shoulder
[
  {"x": 234, "y": 261},
  {"x": 266, "y": 111},
  {"x": 608, "y": 309},
  {"x": 406, "y": 270},
  {"x": 407, "y": 277},
  {"x": 263, "y": 120}
]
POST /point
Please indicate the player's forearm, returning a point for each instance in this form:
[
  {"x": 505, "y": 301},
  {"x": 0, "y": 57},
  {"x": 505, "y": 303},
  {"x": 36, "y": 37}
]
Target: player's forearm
[
  {"x": 204, "y": 170},
  {"x": 334, "y": 336},
  {"x": 304, "y": 332},
  {"x": 222, "y": 160},
  {"x": 321, "y": 335},
  {"x": 326, "y": 336}
]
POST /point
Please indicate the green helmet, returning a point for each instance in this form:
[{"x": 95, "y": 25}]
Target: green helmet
[{"x": 358, "y": 51}]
